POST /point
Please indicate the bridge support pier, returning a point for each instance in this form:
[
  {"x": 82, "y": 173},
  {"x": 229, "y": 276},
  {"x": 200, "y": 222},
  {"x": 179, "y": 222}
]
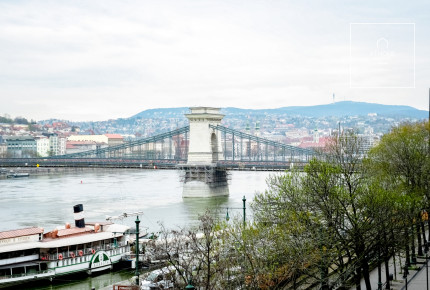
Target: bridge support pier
[
  {"x": 201, "y": 176},
  {"x": 204, "y": 181}
]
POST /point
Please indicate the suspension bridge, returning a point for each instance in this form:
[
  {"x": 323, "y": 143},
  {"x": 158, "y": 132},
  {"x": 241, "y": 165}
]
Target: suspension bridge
[
  {"x": 167, "y": 150},
  {"x": 204, "y": 150}
]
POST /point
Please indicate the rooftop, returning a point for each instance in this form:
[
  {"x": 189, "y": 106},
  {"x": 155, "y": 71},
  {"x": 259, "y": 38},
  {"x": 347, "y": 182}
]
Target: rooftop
[
  {"x": 72, "y": 236},
  {"x": 73, "y": 231},
  {"x": 20, "y": 233},
  {"x": 18, "y": 138},
  {"x": 114, "y": 136}
]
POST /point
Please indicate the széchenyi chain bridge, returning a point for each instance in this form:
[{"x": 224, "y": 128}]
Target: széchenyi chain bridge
[{"x": 204, "y": 151}]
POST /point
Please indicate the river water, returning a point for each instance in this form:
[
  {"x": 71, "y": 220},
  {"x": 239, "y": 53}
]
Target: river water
[{"x": 47, "y": 201}]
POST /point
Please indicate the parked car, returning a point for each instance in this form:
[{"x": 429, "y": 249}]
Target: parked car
[{"x": 159, "y": 279}]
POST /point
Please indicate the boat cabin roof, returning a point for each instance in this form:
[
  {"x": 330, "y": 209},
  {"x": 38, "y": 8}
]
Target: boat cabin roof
[
  {"x": 73, "y": 231},
  {"x": 20, "y": 233},
  {"x": 87, "y": 235}
]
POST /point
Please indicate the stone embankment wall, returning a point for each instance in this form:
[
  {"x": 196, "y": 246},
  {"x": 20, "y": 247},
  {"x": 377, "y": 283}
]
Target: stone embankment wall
[{"x": 52, "y": 170}]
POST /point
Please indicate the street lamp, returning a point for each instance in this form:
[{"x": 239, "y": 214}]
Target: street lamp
[
  {"x": 427, "y": 271},
  {"x": 137, "y": 249},
  {"x": 405, "y": 276},
  {"x": 413, "y": 256},
  {"x": 227, "y": 217},
  {"x": 244, "y": 211}
]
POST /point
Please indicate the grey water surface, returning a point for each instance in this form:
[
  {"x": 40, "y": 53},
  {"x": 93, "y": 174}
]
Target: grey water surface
[{"x": 47, "y": 201}]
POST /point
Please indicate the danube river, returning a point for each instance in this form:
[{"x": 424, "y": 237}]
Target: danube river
[{"x": 47, "y": 201}]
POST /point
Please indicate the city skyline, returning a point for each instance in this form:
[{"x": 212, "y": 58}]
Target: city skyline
[{"x": 101, "y": 60}]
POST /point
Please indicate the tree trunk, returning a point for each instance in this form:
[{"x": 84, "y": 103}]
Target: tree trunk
[
  {"x": 420, "y": 245},
  {"x": 412, "y": 240},
  {"x": 208, "y": 261},
  {"x": 386, "y": 260},
  {"x": 387, "y": 272},
  {"x": 324, "y": 278},
  {"x": 408, "y": 259},
  {"x": 363, "y": 263},
  {"x": 366, "y": 274},
  {"x": 358, "y": 279},
  {"x": 423, "y": 230}
]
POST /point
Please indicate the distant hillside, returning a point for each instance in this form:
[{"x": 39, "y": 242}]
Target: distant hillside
[
  {"x": 162, "y": 113},
  {"x": 339, "y": 109},
  {"x": 349, "y": 108},
  {"x": 154, "y": 121}
]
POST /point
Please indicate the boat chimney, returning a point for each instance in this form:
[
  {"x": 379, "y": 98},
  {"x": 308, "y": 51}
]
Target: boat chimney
[{"x": 79, "y": 215}]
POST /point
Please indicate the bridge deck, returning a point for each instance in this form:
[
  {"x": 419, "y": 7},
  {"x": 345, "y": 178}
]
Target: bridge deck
[{"x": 241, "y": 151}]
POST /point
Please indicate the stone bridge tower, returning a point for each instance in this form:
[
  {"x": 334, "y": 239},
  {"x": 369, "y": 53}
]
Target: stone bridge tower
[
  {"x": 205, "y": 143},
  {"x": 202, "y": 178}
]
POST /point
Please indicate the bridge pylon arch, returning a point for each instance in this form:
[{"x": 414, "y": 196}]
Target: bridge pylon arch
[
  {"x": 205, "y": 143},
  {"x": 202, "y": 177}
]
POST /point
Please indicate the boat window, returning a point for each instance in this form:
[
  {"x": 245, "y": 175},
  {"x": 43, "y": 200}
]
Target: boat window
[
  {"x": 13, "y": 254},
  {"x": 62, "y": 249},
  {"x": 18, "y": 270},
  {"x": 31, "y": 252}
]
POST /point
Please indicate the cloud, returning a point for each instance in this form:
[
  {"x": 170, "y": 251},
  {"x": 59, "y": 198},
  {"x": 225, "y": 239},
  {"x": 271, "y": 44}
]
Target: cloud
[{"x": 108, "y": 59}]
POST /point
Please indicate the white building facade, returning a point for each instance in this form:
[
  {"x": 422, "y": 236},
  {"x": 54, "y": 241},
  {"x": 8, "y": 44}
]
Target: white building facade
[{"x": 43, "y": 146}]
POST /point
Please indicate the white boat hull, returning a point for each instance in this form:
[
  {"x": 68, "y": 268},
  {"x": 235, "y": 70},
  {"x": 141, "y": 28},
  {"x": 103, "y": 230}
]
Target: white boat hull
[{"x": 87, "y": 264}]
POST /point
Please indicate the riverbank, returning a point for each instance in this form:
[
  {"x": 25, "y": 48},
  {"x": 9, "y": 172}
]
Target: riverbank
[{"x": 40, "y": 171}]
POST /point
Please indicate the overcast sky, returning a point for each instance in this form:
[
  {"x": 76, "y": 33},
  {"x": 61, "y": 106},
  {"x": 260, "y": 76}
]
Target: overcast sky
[{"x": 98, "y": 60}]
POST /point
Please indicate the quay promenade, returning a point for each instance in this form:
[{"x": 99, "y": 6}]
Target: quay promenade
[{"x": 417, "y": 279}]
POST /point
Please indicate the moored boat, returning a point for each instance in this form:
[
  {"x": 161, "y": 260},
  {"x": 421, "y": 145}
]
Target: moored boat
[
  {"x": 17, "y": 175},
  {"x": 30, "y": 254}
]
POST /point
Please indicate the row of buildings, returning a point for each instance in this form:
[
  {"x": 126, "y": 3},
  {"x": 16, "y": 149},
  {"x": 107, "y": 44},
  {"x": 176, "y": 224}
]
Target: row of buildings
[
  {"x": 59, "y": 138},
  {"x": 51, "y": 144}
]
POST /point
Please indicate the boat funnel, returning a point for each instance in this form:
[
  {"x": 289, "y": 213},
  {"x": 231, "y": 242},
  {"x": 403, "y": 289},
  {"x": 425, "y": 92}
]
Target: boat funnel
[{"x": 79, "y": 215}]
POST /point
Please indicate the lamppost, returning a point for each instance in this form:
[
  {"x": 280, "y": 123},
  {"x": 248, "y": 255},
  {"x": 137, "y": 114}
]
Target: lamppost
[
  {"x": 405, "y": 275},
  {"x": 121, "y": 217},
  {"x": 244, "y": 211},
  {"x": 427, "y": 271},
  {"x": 137, "y": 249},
  {"x": 379, "y": 268},
  {"x": 227, "y": 217},
  {"x": 413, "y": 256}
]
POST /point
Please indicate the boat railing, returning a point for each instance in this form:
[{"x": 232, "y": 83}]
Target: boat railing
[
  {"x": 72, "y": 254},
  {"x": 80, "y": 253}
]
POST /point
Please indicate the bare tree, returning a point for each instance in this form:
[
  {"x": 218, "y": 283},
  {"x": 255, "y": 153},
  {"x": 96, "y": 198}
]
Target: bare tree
[{"x": 196, "y": 254}]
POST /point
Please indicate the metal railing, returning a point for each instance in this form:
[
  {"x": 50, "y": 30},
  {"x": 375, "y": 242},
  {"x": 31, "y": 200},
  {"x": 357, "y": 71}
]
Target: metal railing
[
  {"x": 244, "y": 147},
  {"x": 81, "y": 253}
]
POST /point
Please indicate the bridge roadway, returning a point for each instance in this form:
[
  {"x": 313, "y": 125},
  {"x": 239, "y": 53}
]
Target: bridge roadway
[
  {"x": 143, "y": 163},
  {"x": 171, "y": 150}
]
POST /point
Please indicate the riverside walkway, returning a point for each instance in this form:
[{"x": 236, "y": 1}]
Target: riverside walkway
[{"x": 417, "y": 279}]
